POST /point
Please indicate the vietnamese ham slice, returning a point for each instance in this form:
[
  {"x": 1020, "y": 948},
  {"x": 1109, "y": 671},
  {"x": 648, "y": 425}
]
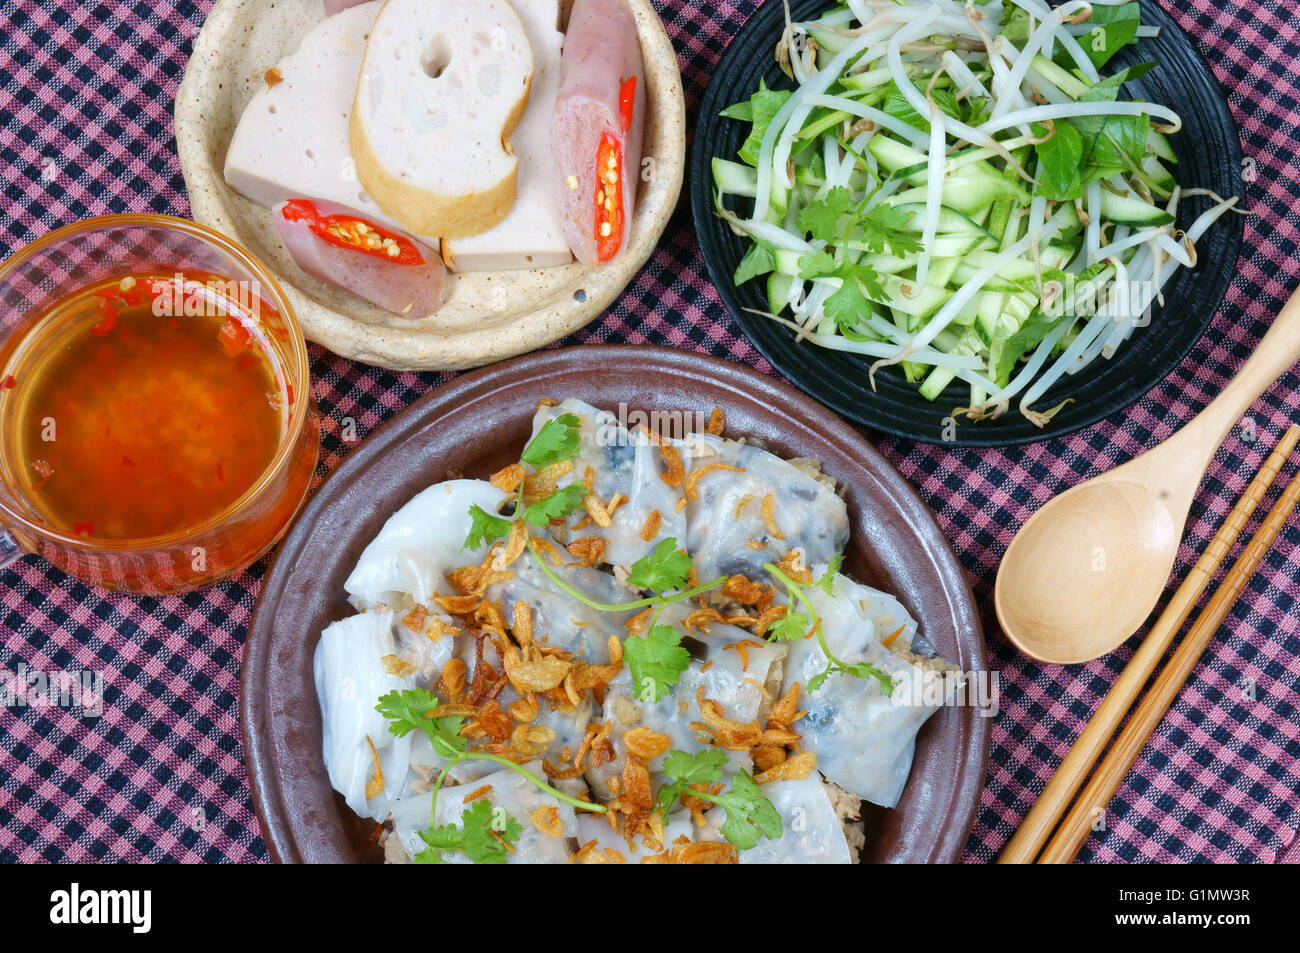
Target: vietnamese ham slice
[
  {"x": 443, "y": 85},
  {"x": 340, "y": 247},
  {"x": 598, "y": 129}
]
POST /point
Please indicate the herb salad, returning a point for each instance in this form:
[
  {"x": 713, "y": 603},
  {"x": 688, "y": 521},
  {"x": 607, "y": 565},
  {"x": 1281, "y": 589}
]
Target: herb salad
[{"x": 959, "y": 190}]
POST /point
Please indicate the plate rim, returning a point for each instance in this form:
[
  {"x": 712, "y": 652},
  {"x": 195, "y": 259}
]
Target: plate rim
[
  {"x": 698, "y": 179},
  {"x": 391, "y": 346},
  {"x": 973, "y": 730}
]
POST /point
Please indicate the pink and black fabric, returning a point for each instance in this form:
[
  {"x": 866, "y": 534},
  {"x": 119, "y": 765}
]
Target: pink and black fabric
[{"x": 86, "y": 93}]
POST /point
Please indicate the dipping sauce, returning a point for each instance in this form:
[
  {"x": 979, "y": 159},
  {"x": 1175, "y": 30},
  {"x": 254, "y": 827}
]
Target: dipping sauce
[{"x": 153, "y": 404}]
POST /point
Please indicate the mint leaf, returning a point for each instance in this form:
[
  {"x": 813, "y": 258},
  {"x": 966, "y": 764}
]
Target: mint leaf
[
  {"x": 1107, "y": 90},
  {"x": 1111, "y": 29},
  {"x": 1059, "y": 161},
  {"x": 1111, "y": 144},
  {"x": 764, "y": 105},
  {"x": 1021, "y": 343}
]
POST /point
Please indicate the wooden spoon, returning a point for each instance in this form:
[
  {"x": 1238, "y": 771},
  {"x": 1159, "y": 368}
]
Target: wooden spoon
[{"x": 1086, "y": 570}]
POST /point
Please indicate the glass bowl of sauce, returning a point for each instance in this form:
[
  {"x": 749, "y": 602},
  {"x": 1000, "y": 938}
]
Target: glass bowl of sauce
[{"x": 157, "y": 429}]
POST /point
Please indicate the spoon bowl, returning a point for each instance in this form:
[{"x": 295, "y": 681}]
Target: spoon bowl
[
  {"x": 1110, "y": 545},
  {"x": 1085, "y": 571}
]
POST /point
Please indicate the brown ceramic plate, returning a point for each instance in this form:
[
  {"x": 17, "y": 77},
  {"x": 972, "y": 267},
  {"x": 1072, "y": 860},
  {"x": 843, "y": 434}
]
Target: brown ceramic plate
[{"x": 477, "y": 424}]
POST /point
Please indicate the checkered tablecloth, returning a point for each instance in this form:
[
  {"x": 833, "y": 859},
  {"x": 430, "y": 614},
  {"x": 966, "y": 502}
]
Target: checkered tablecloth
[{"x": 86, "y": 94}]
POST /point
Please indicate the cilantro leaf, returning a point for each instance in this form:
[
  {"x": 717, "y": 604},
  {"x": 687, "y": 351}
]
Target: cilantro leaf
[
  {"x": 759, "y": 260},
  {"x": 482, "y": 836},
  {"x": 789, "y": 628},
  {"x": 558, "y": 440},
  {"x": 852, "y": 302},
  {"x": 867, "y": 670},
  {"x": 822, "y": 218},
  {"x": 884, "y": 227},
  {"x": 664, "y": 569},
  {"x": 656, "y": 662},
  {"x": 412, "y": 709},
  {"x": 847, "y": 305},
  {"x": 816, "y": 264},
  {"x": 556, "y": 506},
  {"x": 1059, "y": 161},
  {"x": 827, "y": 581},
  {"x": 750, "y": 815},
  {"x": 703, "y": 767},
  {"x": 485, "y": 527},
  {"x": 853, "y": 670}
]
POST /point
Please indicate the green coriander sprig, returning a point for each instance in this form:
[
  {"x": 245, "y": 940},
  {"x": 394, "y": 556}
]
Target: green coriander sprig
[
  {"x": 810, "y": 616},
  {"x": 417, "y": 709},
  {"x": 750, "y": 815}
]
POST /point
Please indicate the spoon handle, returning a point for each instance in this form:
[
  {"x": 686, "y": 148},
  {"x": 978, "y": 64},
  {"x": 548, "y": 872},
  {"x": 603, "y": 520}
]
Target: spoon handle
[{"x": 1274, "y": 355}]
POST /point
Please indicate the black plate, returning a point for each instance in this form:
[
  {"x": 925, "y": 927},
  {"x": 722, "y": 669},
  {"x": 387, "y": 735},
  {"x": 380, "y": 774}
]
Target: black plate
[{"x": 1209, "y": 156}]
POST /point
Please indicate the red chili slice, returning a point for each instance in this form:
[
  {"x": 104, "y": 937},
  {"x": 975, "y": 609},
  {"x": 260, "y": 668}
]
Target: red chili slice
[
  {"x": 108, "y": 321},
  {"x": 8, "y": 383},
  {"x": 234, "y": 338},
  {"x": 609, "y": 198},
  {"x": 627, "y": 104},
  {"x": 354, "y": 234},
  {"x": 83, "y": 529}
]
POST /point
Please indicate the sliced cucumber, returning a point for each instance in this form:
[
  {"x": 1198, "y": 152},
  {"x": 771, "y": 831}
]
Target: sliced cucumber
[
  {"x": 1125, "y": 210},
  {"x": 830, "y": 42},
  {"x": 919, "y": 303},
  {"x": 945, "y": 246},
  {"x": 951, "y": 222},
  {"x": 778, "y": 291},
  {"x": 968, "y": 191},
  {"x": 733, "y": 178},
  {"x": 941, "y": 271},
  {"x": 1158, "y": 143},
  {"x": 892, "y": 154}
]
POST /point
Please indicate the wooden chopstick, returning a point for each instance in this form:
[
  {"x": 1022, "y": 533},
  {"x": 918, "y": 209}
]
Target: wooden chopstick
[
  {"x": 1055, "y": 798},
  {"x": 1110, "y": 774}
]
